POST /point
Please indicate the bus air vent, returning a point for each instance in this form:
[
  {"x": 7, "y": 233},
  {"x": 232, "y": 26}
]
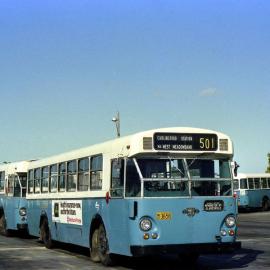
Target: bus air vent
[
  {"x": 147, "y": 143},
  {"x": 223, "y": 144}
]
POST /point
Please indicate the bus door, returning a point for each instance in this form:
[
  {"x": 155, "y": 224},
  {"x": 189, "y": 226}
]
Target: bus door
[
  {"x": 118, "y": 209},
  {"x": 10, "y": 203}
]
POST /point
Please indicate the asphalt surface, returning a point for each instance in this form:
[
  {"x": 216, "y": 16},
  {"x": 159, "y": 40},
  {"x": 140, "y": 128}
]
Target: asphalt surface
[{"x": 254, "y": 232}]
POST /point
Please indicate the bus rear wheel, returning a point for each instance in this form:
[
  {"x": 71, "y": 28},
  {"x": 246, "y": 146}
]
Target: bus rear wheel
[
  {"x": 103, "y": 247},
  {"x": 265, "y": 204},
  {"x": 45, "y": 234},
  {"x": 3, "y": 226}
]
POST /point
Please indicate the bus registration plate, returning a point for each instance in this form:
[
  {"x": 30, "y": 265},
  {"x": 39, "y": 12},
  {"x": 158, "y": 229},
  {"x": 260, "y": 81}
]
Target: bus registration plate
[
  {"x": 213, "y": 206},
  {"x": 163, "y": 215}
]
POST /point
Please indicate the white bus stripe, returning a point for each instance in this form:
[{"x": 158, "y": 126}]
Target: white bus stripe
[{"x": 20, "y": 248}]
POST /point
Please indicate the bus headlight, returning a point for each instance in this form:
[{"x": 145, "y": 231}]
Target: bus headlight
[
  {"x": 145, "y": 224},
  {"x": 230, "y": 221},
  {"x": 22, "y": 211}
]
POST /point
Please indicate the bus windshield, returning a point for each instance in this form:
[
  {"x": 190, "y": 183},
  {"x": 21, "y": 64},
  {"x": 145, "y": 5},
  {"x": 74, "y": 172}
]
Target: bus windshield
[{"x": 168, "y": 177}]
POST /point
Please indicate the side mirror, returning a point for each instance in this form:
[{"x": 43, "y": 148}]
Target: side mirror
[{"x": 235, "y": 167}]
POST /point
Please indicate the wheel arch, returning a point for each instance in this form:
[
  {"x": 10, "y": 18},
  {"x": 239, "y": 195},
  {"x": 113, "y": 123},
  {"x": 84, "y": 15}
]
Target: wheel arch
[
  {"x": 2, "y": 212},
  {"x": 43, "y": 216},
  {"x": 265, "y": 198}
]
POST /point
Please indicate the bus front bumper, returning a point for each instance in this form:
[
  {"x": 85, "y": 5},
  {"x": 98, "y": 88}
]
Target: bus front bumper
[{"x": 206, "y": 248}]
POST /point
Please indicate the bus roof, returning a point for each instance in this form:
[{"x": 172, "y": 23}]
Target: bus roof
[
  {"x": 252, "y": 175},
  {"x": 18, "y": 166},
  {"x": 135, "y": 144}
]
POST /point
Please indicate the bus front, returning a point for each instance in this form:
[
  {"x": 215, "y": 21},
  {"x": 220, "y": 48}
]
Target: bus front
[{"x": 180, "y": 192}]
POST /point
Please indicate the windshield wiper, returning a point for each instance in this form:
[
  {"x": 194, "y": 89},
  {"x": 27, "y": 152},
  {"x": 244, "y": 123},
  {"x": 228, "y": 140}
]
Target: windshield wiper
[{"x": 181, "y": 173}]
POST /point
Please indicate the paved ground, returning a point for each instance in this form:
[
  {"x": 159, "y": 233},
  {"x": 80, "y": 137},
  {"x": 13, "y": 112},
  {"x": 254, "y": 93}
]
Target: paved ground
[{"x": 254, "y": 232}]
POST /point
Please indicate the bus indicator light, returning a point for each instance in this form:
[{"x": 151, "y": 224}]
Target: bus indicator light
[
  {"x": 108, "y": 197},
  {"x": 231, "y": 232},
  {"x": 223, "y": 232},
  {"x": 146, "y": 236}
]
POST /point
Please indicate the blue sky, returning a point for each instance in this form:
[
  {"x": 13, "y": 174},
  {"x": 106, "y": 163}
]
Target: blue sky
[{"x": 66, "y": 67}]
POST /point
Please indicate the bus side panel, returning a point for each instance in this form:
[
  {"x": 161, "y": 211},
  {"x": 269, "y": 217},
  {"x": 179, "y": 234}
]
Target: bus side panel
[
  {"x": 11, "y": 209},
  {"x": 114, "y": 215},
  {"x": 243, "y": 201},
  {"x": 21, "y": 221},
  {"x": 34, "y": 213},
  {"x": 77, "y": 234},
  {"x": 255, "y": 198}
]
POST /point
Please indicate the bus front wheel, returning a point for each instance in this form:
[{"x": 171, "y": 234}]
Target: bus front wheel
[
  {"x": 103, "y": 247},
  {"x": 45, "y": 234},
  {"x": 94, "y": 247},
  {"x": 3, "y": 226}
]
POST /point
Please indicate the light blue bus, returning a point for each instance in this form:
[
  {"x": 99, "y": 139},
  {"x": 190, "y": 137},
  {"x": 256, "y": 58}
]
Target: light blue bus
[
  {"x": 13, "y": 205},
  {"x": 253, "y": 190},
  {"x": 160, "y": 191}
]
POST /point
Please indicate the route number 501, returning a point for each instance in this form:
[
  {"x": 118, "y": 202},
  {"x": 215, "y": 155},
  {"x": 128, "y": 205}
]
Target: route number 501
[{"x": 206, "y": 143}]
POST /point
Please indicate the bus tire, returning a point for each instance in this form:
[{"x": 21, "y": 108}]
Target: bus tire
[
  {"x": 94, "y": 256},
  {"x": 45, "y": 234},
  {"x": 265, "y": 204},
  {"x": 103, "y": 247},
  {"x": 3, "y": 226}
]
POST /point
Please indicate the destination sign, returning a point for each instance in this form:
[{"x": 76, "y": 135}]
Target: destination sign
[{"x": 185, "y": 142}]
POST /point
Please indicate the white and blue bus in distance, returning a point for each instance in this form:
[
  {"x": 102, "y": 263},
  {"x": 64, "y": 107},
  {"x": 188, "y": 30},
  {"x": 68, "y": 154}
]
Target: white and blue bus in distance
[
  {"x": 161, "y": 191},
  {"x": 13, "y": 205},
  {"x": 253, "y": 190}
]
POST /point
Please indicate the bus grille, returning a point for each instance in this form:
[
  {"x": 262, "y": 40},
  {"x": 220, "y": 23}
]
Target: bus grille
[
  {"x": 147, "y": 143},
  {"x": 223, "y": 144}
]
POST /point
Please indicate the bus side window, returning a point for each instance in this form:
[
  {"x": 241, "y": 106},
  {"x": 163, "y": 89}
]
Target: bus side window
[
  {"x": 2, "y": 181},
  {"x": 133, "y": 183},
  {"x": 62, "y": 177},
  {"x": 243, "y": 183},
  {"x": 257, "y": 183},
  {"x": 264, "y": 182},
  {"x": 96, "y": 172},
  {"x": 83, "y": 174},
  {"x": 117, "y": 178},
  {"x": 45, "y": 179},
  {"x": 71, "y": 175},
  {"x": 37, "y": 180},
  {"x": 53, "y": 178},
  {"x": 250, "y": 183}
]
